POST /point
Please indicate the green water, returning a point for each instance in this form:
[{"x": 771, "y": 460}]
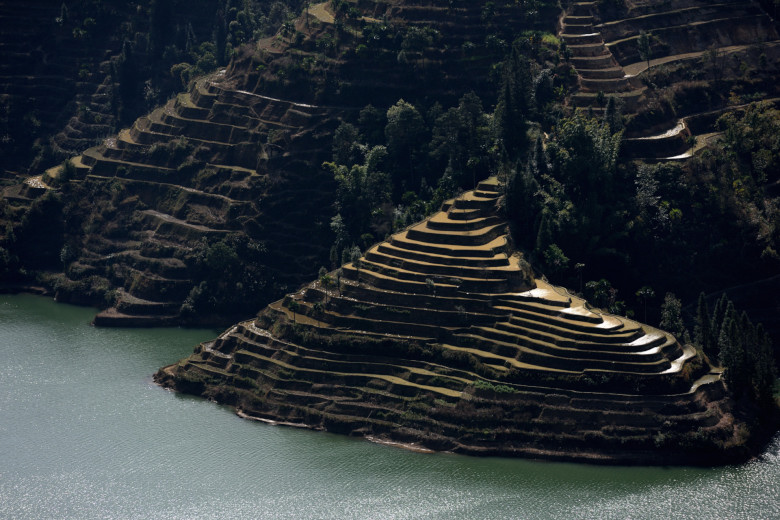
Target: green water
[{"x": 84, "y": 433}]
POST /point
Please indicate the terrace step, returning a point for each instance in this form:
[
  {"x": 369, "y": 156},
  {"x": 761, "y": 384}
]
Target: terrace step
[
  {"x": 461, "y": 271},
  {"x": 582, "y": 38},
  {"x": 579, "y": 27},
  {"x": 602, "y": 61},
  {"x": 602, "y": 73},
  {"x": 607, "y": 85},
  {"x": 442, "y": 222},
  {"x": 476, "y": 238},
  {"x": 589, "y": 50},
  {"x": 499, "y": 259},
  {"x": 404, "y": 240}
]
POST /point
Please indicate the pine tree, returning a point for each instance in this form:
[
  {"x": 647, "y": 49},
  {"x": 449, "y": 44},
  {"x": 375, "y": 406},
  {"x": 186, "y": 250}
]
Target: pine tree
[
  {"x": 644, "y": 294},
  {"x": 764, "y": 372},
  {"x": 514, "y": 105},
  {"x": 730, "y": 356},
  {"x": 645, "y": 48},
  {"x": 544, "y": 237},
  {"x": 671, "y": 317},
  {"x": 128, "y": 88},
  {"x": 701, "y": 329},
  {"x": 612, "y": 116},
  {"x": 716, "y": 322},
  {"x": 540, "y": 159},
  {"x": 160, "y": 18},
  {"x": 745, "y": 354},
  {"x": 220, "y": 38},
  {"x": 521, "y": 203}
]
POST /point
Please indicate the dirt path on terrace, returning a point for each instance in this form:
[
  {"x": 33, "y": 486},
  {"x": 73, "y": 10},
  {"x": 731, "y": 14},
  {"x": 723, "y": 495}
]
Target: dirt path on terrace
[
  {"x": 635, "y": 69},
  {"x": 321, "y": 14}
]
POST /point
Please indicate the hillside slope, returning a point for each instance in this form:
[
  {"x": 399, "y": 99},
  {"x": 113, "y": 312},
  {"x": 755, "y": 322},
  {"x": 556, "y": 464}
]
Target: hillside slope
[
  {"x": 237, "y": 160},
  {"x": 441, "y": 337},
  {"x": 664, "y": 88}
]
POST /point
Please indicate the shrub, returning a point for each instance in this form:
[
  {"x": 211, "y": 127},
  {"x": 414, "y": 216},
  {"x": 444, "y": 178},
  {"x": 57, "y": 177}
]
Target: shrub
[{"x": 480, "y": 384}]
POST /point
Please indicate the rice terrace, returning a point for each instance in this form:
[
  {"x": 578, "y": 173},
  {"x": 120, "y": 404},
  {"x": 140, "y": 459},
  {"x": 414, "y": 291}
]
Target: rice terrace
[{"x": 543, "y": 233}]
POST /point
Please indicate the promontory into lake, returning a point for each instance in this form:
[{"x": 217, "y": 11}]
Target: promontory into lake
[{"x": 541, "y": 229}]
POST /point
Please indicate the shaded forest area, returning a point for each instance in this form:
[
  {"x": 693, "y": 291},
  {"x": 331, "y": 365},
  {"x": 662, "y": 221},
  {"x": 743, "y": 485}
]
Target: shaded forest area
[{"x": 112, "y": 62}]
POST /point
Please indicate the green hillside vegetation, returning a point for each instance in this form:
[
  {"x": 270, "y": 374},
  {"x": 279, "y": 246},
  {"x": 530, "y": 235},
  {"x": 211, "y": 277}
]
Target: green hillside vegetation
[{"x": 416, "y": 159}]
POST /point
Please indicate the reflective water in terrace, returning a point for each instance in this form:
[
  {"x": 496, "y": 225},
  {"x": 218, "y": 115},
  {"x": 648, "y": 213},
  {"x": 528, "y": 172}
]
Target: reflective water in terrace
[{"x": 84, "y": 433}]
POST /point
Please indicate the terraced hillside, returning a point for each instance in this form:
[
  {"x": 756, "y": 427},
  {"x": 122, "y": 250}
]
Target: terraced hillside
[
  {"x": 238, "y": 158},
  {"x": 189, "y": 174},
  {"x": 690, "y": 43},
  {"x": 595, "y": 64},
  {"x": 441, "y": 337}
]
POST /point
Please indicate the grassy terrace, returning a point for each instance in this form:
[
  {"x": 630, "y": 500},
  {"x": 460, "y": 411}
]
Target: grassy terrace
[{"x": 445, "y": 340}]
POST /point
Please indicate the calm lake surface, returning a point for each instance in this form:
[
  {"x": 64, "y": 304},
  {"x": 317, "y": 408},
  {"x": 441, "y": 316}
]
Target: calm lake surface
[{"x": 84, "y": 433}]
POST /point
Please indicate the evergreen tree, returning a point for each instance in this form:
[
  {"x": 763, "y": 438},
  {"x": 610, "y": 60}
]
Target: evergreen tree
[
  {"x": 128, "y": 87},
  {"x": 644, "y": 45},
  {"x": 716, "y": 323},
  {"x": 671, "y": 317},
  {"x": 220, "y": 38},
  {"x": 764, "y": 367},
  {"x": 345, "y": 144},
  {"x": 540, "y": 159},
  {"x": 160, "y": 21},
  {"x": 514, "y": 105},
  {"x": 644, "y": 294},
  {"x": 372, "y": 123},
  {"x": 405, "y": 133},
  {"x": 702, "y": 329},
  {"x": 745, "y": 354},
  {"x": 732, "y": 356},
  {"x": 612, "y": 116},
  {"x": 544, "y": 237},
  {"x": 521, "y": 203},
  {"x": 544, "y": 90}
]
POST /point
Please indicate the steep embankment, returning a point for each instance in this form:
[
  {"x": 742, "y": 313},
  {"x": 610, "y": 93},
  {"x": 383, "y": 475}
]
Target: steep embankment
[
  {"x": 665, "y": 88},
  {"x": 441, "y": 337}
]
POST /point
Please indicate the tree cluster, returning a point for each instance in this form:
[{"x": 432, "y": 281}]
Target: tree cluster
[
  {"x": 232, "y": 280},
  {"x": 707, "y": 223},
  {"x": 394, "y": 167},
  {"x": 742, "y": 348}
]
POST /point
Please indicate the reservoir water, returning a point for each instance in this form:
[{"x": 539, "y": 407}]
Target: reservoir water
[{"x": 84, "y": 433}]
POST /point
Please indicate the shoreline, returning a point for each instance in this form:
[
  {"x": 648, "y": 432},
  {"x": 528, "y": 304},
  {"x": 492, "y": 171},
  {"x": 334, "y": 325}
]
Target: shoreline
[
  {"x": 737, "y": 455},
  {"x": 20, "y": 288},
  {"x": 273, "y": 422}
]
